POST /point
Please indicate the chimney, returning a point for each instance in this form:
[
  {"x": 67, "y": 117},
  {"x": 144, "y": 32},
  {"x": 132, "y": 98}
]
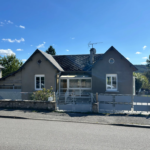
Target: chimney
[{"x": 92, "y": 53}]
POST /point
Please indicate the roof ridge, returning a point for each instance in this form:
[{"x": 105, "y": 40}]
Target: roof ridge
[{"x": 76, "y": 54}]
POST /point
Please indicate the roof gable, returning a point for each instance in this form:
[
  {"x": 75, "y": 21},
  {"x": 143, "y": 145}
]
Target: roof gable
[
  {"x": 113, "y": 49},
  {"x": 51, "y": 60},
  {"x": 47, "y": 56}
]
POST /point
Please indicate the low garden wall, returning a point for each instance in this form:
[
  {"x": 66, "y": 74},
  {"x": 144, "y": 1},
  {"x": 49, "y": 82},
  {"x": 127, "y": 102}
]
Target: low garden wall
[{"x": 27, "y": 104}]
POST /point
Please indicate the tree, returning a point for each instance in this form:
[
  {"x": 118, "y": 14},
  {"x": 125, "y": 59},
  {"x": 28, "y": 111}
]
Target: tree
[
  {"x": 141, "y": 81},
  {"x": 10, "y": 63},
  {"x": 148, "y": 62},
  {"x": 147, "y": 74},
  {"x": 51, "y": 50}
]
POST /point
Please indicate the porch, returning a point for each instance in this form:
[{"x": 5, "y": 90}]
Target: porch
[{"x": 75, "y": 87}]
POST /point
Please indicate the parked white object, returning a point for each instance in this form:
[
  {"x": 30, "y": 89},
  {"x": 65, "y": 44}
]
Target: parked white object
[{"x": 50, "y": 99}]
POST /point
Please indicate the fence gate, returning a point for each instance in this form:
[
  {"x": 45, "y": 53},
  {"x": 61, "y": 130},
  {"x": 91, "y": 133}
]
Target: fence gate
[{"x": 74, "y": 103}]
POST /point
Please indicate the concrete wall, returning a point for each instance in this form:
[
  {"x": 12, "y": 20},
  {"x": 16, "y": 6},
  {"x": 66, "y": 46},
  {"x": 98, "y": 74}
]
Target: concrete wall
[{"x": 121, "y": 67}]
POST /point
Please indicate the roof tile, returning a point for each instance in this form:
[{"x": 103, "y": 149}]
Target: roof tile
[{"x": 75, "y": 62}]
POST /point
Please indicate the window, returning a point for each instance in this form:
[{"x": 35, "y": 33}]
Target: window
[
  {"x": 80, "y": 83},
  {"x": 39, "y": 82},
  {"x": 111, "y": 60},
  {"x": 76, "y": 85},
  {"x": 111, "y": 82}
]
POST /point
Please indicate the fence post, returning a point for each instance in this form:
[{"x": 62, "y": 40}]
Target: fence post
[
  {"x": 97, "y": 102},
  {"x": 56, "y": 101},
  {"x": 114, "y": 104},
  {"x": 96, "y": 97},
  {"x": 54, "y": 97},
  {"x": 132, "y": 103},
  {"x": 91, "y": 97}
]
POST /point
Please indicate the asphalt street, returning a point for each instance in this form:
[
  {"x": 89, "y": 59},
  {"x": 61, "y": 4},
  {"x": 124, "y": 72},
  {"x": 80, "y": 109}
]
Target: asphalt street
[{"x": 24, "y": 134}]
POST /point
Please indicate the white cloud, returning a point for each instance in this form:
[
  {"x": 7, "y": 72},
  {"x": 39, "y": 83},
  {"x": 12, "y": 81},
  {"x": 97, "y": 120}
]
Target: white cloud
[
  {"x": 23, "y": 27},
  {"x": 67, "y": 50},
  {"x": 15, "y": 40},
  {"x": 127, "y": 58},
  {"x": 1, "y": 23},
  {"x": 6, "y": 52},
  {"x": 31, "y": 45},
  {"x": 138, "y": 53},
  {"x": 41, "y": 45},
  {"x": 144, "y": 47},
  {"x": 72, "y": 38},
  {"x": 19, "y": 49},
  {"x": 144, "y": 57},
  {"x": 5, "y": 22},
  {"x": 24, "y": 60},
  {"x": 144, "y": 63},
  {"x": 9, "y": 22}
]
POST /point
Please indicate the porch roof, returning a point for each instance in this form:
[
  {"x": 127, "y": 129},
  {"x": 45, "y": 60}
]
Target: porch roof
[{"x": 81, "y": 74}]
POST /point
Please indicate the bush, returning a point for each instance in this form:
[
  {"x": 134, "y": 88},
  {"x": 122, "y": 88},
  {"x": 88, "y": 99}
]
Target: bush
[
  {"x": 141, "y": 81},
  {"x": 43, "y": 94}
]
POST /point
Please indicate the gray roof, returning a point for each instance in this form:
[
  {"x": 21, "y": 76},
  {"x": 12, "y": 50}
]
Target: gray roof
[
  {"x": 52, "y": 60},
  {"x": 82, "y": 62},
  {"x": 76, "y": 62},
  {"x": 1, "y": 66},
  {"x": 141, "y": 68}
]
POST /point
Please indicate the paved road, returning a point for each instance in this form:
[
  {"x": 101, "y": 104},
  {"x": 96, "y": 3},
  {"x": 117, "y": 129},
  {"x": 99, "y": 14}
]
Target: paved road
[{"x": 22, "y": 134}]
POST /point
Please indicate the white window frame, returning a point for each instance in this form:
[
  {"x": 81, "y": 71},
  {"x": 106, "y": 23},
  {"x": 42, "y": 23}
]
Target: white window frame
[
  {"x": 68, "y": 86},
  {"x": 39, "y": 75},
  {"x": 112, "y": 75}
]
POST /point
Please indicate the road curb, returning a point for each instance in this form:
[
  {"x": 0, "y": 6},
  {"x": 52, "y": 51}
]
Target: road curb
[{"x": 71, "y": 121}]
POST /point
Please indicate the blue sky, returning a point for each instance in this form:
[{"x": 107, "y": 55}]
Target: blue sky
[{"x": 69, "y": 25}]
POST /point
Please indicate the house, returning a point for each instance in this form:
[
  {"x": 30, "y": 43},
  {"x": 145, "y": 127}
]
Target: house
[
  {"x": 1, "y": 67},
  {"x": 108, "y": 73}
]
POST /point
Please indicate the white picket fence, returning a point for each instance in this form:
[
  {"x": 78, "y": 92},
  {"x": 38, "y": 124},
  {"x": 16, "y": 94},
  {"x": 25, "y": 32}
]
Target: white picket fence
[{"x": 121, "y": 103}]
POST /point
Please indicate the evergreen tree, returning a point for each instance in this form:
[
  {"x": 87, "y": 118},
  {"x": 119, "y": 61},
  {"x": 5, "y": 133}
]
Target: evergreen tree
[
  {"x": 148, "y": 62},
  {"x": 51, "y": 50}
]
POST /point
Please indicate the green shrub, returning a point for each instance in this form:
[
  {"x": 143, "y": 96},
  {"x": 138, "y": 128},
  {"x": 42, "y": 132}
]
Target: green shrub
[{"x": 42, "y": 95}]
